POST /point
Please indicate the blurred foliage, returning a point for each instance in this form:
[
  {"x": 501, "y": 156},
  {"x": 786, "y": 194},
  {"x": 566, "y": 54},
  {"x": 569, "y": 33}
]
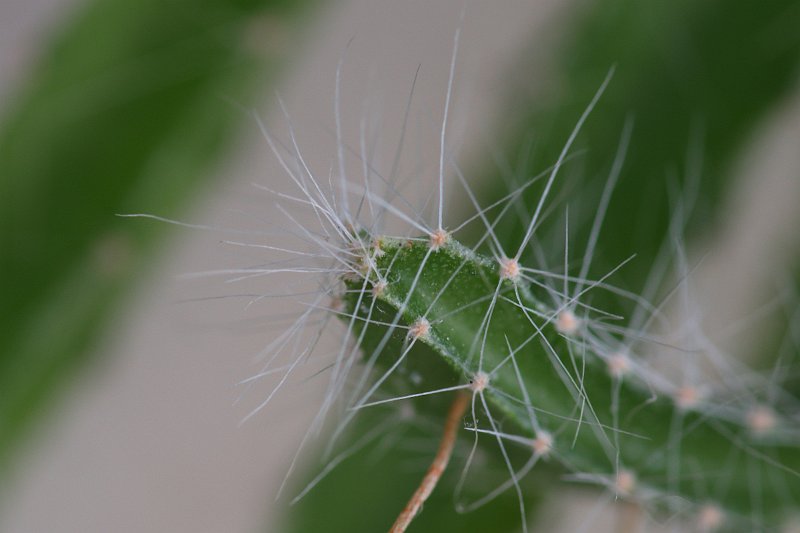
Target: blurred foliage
[
  {"x": 127, "y": 111},
  {"x": 696, "y": 78}
]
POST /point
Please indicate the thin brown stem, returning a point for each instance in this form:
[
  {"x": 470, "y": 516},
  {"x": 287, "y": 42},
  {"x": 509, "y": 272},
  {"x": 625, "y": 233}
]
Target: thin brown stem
[{"x": 436, "y": 469}]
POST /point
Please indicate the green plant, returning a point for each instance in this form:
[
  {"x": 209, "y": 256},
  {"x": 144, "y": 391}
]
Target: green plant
[
  {"x": 595, "y": 380},
  {"x": 572, "y": 385},
  {"x": 560, "y": 352}
]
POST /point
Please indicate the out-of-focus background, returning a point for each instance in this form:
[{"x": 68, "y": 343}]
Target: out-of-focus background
[
  {"x": 144, "y": 435},
  {"x": 118, "y": 395}
]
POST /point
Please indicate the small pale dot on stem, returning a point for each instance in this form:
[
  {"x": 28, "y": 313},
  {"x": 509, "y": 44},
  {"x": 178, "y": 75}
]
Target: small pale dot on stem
[
  {"x": 567, "y": 323},
  {"x": 420, "y": 328},
  {"x": 509, "y": 269},
  {"x": 438, "y": 238},
  {"x": 479, "y": 382}
]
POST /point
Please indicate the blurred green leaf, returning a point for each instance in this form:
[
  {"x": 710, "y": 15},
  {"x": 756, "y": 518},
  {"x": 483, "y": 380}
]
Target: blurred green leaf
[
  {"x": 127, "y": 112},
  {"x": 695, "y": 77}
]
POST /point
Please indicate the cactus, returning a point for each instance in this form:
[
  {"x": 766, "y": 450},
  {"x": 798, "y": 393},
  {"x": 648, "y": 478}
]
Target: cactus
[
  {"x": 564, "y": 380},
  {"x": 572, "y": 387},
  {"x": 551, "y": 379}
]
